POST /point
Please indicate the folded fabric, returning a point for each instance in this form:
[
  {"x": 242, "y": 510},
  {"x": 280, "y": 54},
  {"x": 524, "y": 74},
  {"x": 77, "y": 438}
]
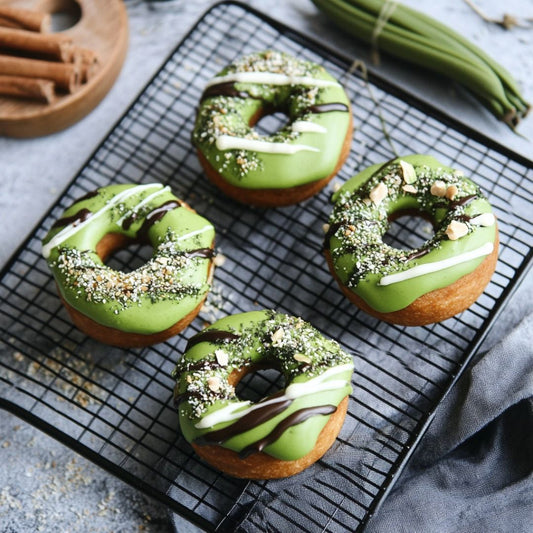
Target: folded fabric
[{"x": 473, "y": 471}]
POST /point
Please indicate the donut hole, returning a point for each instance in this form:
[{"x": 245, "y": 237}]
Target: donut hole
[
  {"x": 258, "y": 383},
  {"x": 408, "y": 231},
  {"x": 270, "y": 123},
  {"x": 123, "y": 254}
]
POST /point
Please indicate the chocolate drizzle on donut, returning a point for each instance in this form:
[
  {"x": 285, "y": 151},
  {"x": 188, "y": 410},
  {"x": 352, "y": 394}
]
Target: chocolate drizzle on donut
[
  {"x": 212, "y": 335},
  {"x": 126, "y": 224},
  {"x": 228, "y": 89},
  {"x": 246, "y": 423},
  {"x": 157, "y": 214},
  {"x": 326, "y": 108},
  {"x": 259, "y": 416},
  {"x": 465, "y": 200},
  {"x": 225, "y": 89},
  {"x": 88, "y": 196},
  {"x": 80, "y": 216},
  {"x": 331, "y": 231},
  {"x": 415, "y": 254},
  {"x": 463, "y": 218},
  {"x": 292, "y": 420},
  {"x": 180, "y": 397},
  {"x": 204, "y": 253}
]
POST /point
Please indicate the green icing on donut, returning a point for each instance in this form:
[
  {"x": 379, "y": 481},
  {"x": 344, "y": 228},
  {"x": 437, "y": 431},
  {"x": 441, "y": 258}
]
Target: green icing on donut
[
  {"x": 361, "y": 259},
  {"x": 317, "y": 376},
  {"x": 227, "y": 109},
  {"x": 151, "y": 298}
]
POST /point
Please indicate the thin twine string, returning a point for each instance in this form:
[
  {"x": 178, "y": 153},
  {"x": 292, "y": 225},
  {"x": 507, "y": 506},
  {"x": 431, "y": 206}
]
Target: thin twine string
[
  {"x": 360, "y": 65},
  {"x": 385, "y": 13}
]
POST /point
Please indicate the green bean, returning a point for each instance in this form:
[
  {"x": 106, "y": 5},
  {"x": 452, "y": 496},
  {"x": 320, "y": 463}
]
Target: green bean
[
  {"x": 431, "y": 55},
  {"x": 422, "y": 40}
]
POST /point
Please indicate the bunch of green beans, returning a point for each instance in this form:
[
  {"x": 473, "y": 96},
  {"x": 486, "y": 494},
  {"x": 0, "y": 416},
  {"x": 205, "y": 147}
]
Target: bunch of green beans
[{"x": 412, "y": 36}]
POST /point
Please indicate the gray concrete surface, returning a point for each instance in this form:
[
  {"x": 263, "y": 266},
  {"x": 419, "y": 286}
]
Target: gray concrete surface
[{"x": 45, "y": 486}]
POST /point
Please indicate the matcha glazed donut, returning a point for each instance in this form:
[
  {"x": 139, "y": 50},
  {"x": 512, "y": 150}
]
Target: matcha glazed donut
[
  {"x": 151, "y": 303},
  {"x": 282, "y": 434},
  {"x": 429, "y": 284},
  {"x": 293, "y": 163}
]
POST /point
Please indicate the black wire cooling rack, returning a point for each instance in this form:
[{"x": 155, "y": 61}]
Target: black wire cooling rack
[{"x": 114, "y": 406}]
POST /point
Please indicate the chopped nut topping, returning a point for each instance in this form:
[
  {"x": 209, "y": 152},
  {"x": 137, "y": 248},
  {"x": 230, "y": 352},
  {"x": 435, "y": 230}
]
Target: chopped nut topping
[
  {"x": 438, "y": 189},
  {"x": 221, "y": 357},
  {"x": 408, "y": 172},
  {"x": 214, "y": 384},
  {"x": 325, "y": 228},
  {"x": 410, "y": 188},
  {"x": 451, "y": 192},
  {"x": 189, "y": 378},
  {"x": 301, "y": 358},
  {"x": 456, "y": 230},
  {"x": 219, "y": 260},
  {"x": 277, "y": 335},
  {"x": 378, "y": 193}
]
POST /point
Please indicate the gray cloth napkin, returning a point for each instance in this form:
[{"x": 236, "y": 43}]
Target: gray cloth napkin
[{"x": 473, "y": 470}]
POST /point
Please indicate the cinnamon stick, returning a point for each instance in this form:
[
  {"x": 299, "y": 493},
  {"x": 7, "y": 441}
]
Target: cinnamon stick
[
  {"x": 32, "y": 88},
  {"x": 65, "y": 75},
  {"x": 24, "y": 19},
  {"x": 89, "y": 63},
  {"x": 7, "y": 23},
  {"x": 52, "y": 45}
]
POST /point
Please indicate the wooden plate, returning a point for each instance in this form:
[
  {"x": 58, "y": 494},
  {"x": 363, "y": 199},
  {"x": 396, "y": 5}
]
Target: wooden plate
[{"x": 103, "y": 27}]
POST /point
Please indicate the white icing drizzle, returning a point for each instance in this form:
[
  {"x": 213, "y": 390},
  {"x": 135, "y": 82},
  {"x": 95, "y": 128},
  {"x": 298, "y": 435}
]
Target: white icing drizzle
[
  {"x": 429, "y": 268},
  {"x": 73, "y": 228},
  {"x": 296, "y": 390},
  {"x": 270, "y": 78},
  {"x": 485, "y": 219},
  {"x": 207, "y": 227},
  {"x": 147, "y": 200},
  {"x": 306, "y": 126},
  {"x": 228, "y": 142}
]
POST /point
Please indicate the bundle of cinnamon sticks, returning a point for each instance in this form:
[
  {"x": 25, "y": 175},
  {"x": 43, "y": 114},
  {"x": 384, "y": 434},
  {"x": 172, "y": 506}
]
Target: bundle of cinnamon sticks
[{"x": 36, "y": 64}]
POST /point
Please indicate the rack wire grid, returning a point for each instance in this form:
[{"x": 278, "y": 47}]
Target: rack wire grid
[{"x": 114, "y": 405}]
